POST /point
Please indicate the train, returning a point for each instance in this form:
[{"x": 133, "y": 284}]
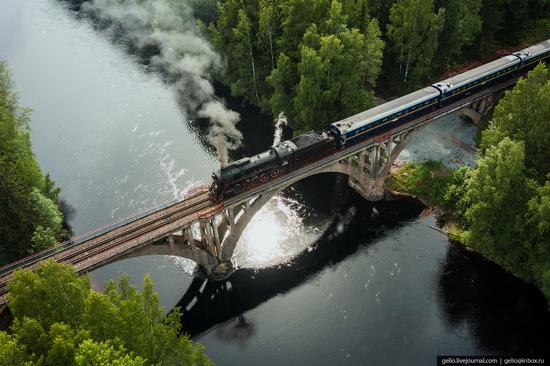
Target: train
[{"x": 287, "y": 156}]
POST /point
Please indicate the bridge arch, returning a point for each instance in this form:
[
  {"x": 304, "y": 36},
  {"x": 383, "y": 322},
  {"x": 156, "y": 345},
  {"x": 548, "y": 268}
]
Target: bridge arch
[{"x": 211, "y": 241}]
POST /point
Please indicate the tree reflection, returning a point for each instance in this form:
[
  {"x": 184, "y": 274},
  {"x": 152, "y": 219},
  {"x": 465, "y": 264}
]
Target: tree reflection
[{"x": 503, "y": 313}]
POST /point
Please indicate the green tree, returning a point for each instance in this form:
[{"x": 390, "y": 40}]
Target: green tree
[
  {"x": 11, "y": 352},
  {"x": 516, "y": 21},
  {"x": 335, "y": 73},
  {"x": 462, "y": 25},
  {"x": 332, "y": 79},
  {"x": 269, "y": 26},
  {"x": 357, "y": 12},
  {"x": 373, "y": 53},
  {"x": 240, "y": 34},
  {"x": 297, "y": 16},
  {"x": 539, "y": 237},
  {"x": 222, "y": 35},
  {"x": 498, "y": 192},
  {"x": 413, "y": 32},
  {"x": 283, "y": 81},
  {"x": 524, "y": 115},
  {"x": 455, "y": 197},
  {"x": 243, "y": 54},
  {"x": 61, "y": 291},
  {"x": 73, "y": 325},
  {"x": 92, "y": 353},
  {"x": 492, "y": 20},
  {"x": 29, "y": 214}
]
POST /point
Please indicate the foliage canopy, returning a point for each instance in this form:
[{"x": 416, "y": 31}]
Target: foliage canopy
[
  {"x": 30, "y": 219},
  {"x": 73, "y": 325}
]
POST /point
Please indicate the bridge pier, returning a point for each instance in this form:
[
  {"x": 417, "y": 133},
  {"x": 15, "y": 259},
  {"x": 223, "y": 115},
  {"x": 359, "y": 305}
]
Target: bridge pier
[
  {"x": 479, "y": 108},
  {"x": 210, "y": 242},
  {"x": 368, "y": 169}
]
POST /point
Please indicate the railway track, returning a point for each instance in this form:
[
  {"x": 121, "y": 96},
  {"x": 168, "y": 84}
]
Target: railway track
[
  {"x": 85, "y": 251},
  {"x": 81, "y": 238},
  {"x": 141, "y": 230}
]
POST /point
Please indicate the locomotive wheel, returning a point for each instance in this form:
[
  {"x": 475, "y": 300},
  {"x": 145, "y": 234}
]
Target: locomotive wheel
[
  {"x": 274, "y": 173},
  {"x": 263, "y": 177}
]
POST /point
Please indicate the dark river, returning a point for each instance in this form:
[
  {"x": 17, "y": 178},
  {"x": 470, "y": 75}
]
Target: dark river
[{"x": 326, "y": 278}]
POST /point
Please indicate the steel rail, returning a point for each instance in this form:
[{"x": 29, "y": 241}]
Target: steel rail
[
  {"x": 87, "y": 246},
  {"x": 74, "y": 241},
  {"x": 99, "y": 248}
]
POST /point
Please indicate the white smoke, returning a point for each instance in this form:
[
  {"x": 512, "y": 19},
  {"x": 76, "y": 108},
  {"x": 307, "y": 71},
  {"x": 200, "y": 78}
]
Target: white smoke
[
  {"x": 184, "y": 56},
  {"x": 223, "y": 134},
  {"x": 280, "y": 122}
]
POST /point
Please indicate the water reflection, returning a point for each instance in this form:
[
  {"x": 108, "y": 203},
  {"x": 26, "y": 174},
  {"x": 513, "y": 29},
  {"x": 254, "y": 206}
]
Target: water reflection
[
  {"x": 238, "y": 330},
  {"x": 211, "y": 303},
  {"x": 504, "y": 315},
  {"x": 275, "y": 235}
]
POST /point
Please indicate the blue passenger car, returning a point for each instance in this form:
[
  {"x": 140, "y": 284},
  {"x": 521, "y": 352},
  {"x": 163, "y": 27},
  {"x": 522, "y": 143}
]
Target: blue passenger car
[{"x": 405, "y": 110}]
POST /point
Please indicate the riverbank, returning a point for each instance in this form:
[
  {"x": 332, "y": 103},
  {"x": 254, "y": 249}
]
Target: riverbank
[
  {"x": 426, "y": 182},
  {"x": 431, "y": 183}
]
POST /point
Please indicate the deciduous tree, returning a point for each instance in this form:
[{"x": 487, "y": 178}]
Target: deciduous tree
[
  {"x": 72, "y": 325},
  {"x": 462, "y": 26},
  {"x": 498, "y": 192},
  {"x": 413, "y": 32},
  {"x": 524, "y": 115},
  {"x": 29, "y": 215}
]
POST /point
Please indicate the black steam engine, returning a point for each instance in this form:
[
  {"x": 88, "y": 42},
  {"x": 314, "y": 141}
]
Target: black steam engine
[{"x": 247, "y": 173}]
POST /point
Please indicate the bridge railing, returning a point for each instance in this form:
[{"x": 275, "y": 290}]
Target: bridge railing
[{"x": 83, "y": 237}]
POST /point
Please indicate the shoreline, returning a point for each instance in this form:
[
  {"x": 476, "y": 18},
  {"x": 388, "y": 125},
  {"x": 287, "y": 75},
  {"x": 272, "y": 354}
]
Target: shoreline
[{"x": 444, "y": 222}]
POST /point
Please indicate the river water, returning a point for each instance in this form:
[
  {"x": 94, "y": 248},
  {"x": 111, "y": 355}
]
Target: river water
[{"x": 327, "y": 278}]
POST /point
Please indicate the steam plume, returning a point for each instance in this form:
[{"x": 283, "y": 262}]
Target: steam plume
[
  {"x": 280, "y": 122},
  {"x": 184, "y": 56}
]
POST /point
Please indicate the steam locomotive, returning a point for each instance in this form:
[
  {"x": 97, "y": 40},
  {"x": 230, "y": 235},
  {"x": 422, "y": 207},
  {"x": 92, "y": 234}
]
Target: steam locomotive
[{"x": 251, "y": 172}]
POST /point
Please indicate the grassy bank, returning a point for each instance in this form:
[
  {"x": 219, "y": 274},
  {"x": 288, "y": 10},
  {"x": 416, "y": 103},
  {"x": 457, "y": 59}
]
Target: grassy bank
[{"x": 428, "y": 181}]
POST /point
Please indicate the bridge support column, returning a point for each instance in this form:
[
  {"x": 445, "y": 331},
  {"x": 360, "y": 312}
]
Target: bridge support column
[
  {"x": 368, "y": 169},
  {"x": 210, "y": 242},
  {"x": 479, "y": 109}
]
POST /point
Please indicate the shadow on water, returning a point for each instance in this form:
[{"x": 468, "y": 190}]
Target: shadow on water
[
  {"x": 502, "y": 312},
  {"x": 212, "y": 303}
]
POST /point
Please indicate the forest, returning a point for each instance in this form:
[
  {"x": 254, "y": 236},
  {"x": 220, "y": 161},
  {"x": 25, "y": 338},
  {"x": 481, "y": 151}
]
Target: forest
[
  {"x": 30, "y": 217},
  {"x": 319, "y": 61},
  {"x": 74, "y": 325}
]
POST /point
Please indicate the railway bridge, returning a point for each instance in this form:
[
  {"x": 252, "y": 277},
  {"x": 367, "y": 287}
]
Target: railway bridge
[{"x": 207, "y": 232}]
